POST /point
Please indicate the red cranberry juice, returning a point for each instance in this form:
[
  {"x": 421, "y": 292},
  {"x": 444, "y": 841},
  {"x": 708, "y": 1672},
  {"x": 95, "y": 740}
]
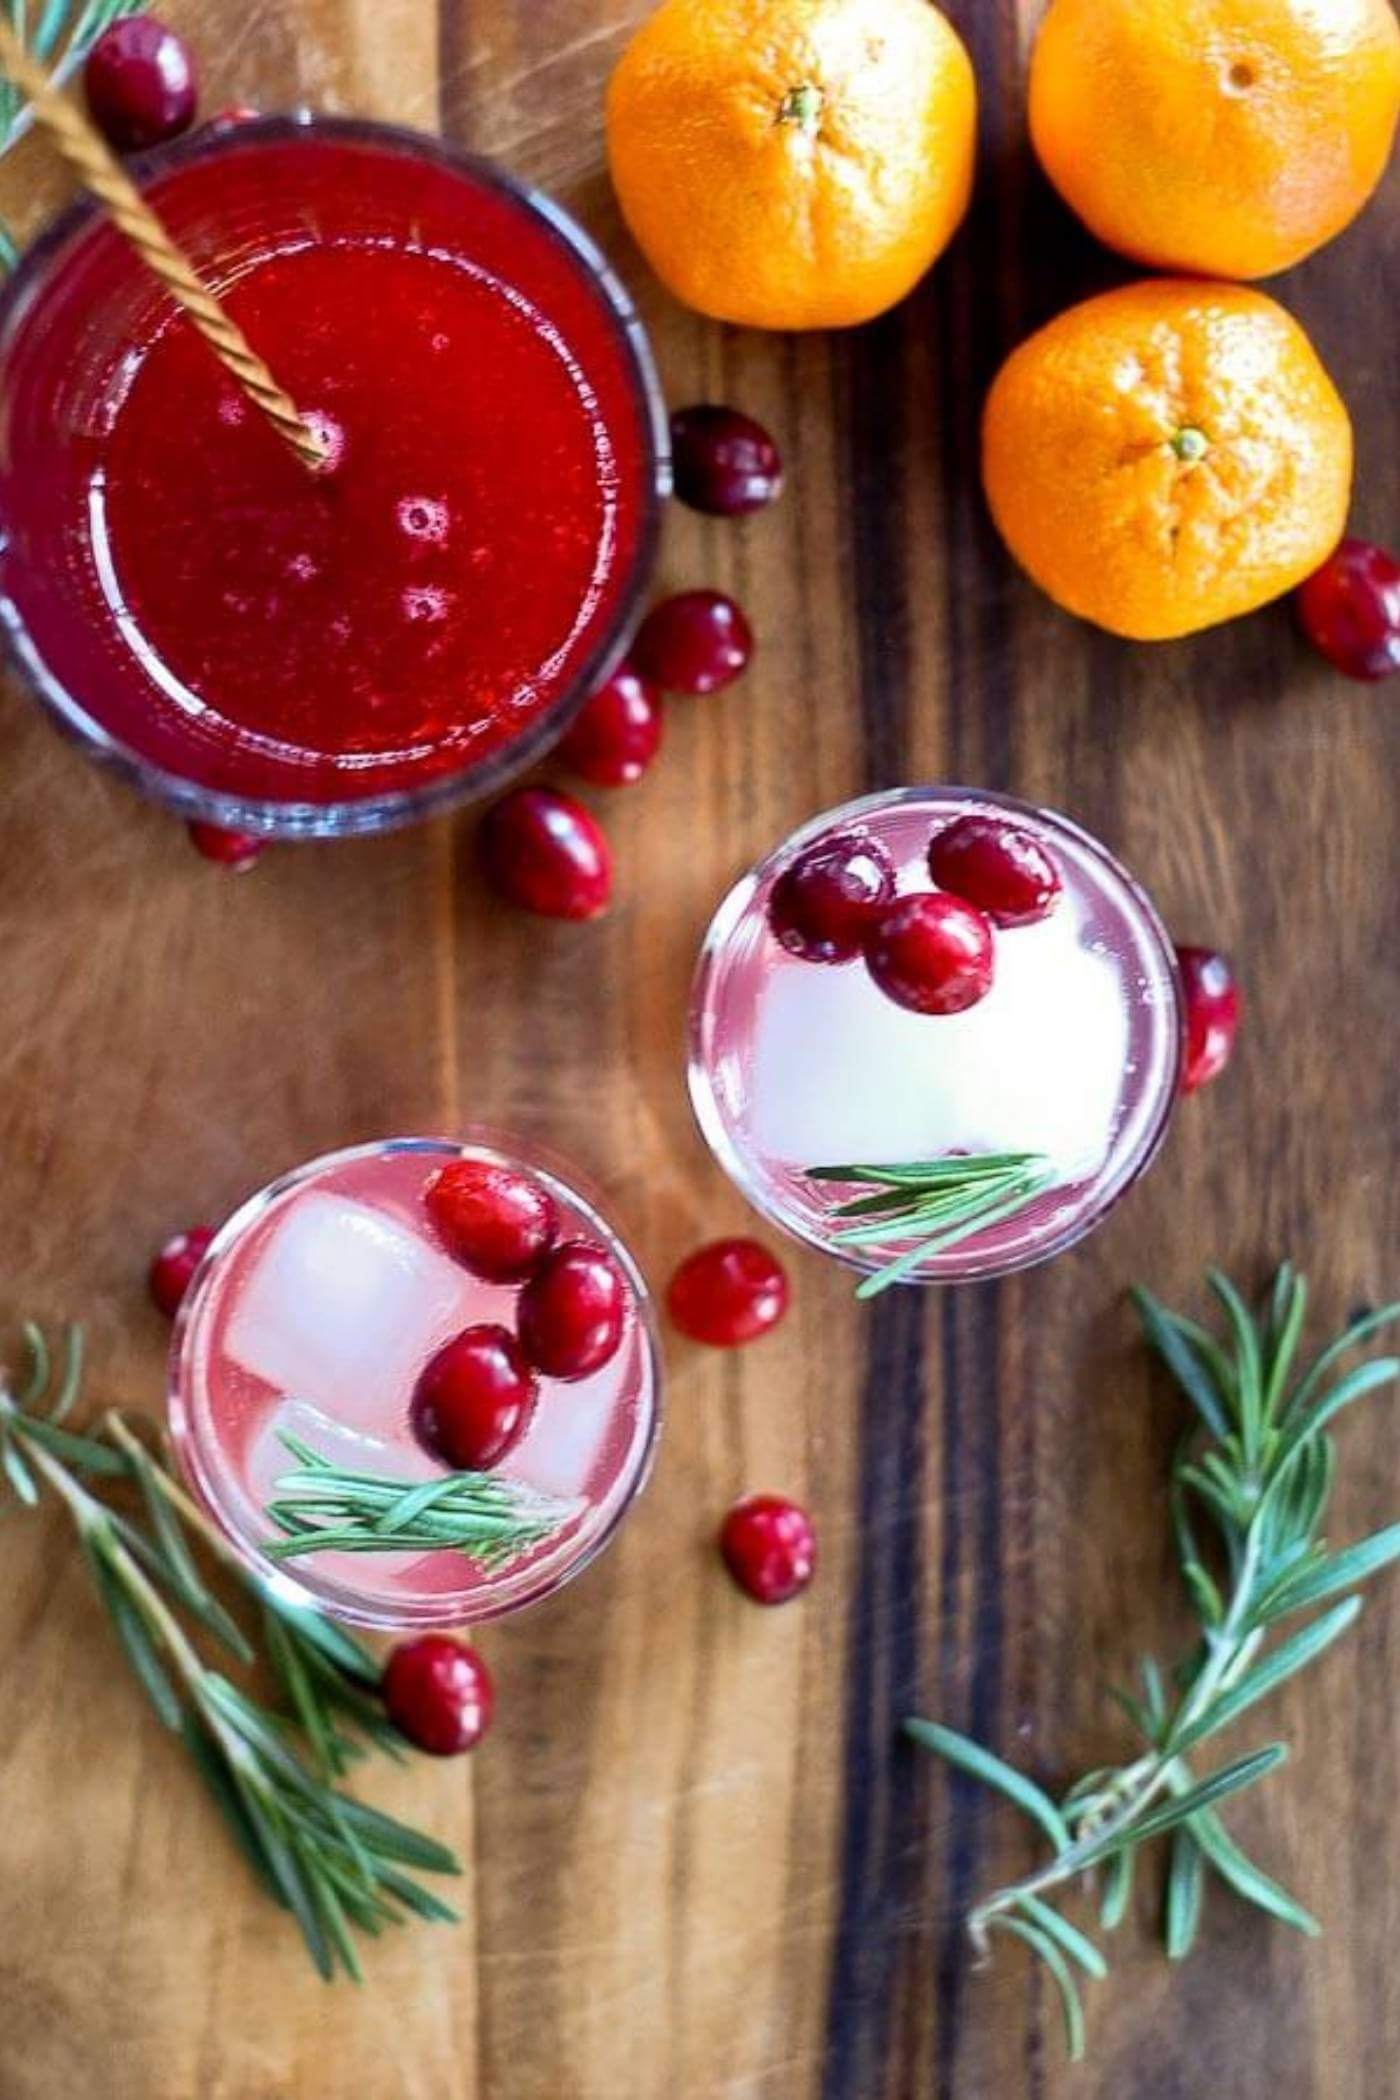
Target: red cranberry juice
[
  {"x": 427, "y": 591},
  {"x": 467, "y": 555}
]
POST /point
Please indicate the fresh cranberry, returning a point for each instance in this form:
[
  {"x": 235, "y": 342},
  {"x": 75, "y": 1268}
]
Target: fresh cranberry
[
  {"x": 573, "y": 1311},
  {"x": 1002, "y": 870},
  {"x": 498, "y": 1223},
  {"x": 438, "y": 1694},
  {"x": 1350, "y": 610},
  {"x": 769, "y": 1548},
  {"x": 170, "y": 1272},
  {"x": 140, "y": 83},
  {"x": 696, "y": 642},
  {"x": 724, "y": 462},
  {"x": 822, "y": 906},
  {"x": 474, "y": 1399},
  {"x": 618, "y": 733},
  {"x": 236, "y": 850},
  {"x": 728, "y": 1293},
  {"x": 1212, "y": 1014},
  {"x": 931, "y": 953},
  {"x": 548, "y": 854}
]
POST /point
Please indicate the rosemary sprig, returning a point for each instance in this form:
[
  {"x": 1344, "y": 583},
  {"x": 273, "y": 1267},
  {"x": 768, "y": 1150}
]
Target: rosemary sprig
[
  {"x": 1250, "y": 1486},
  {"x": 337, "y": 1865},
  {"x": 934, "y": 1203},
  {"x": 328, "y": 1678},
  {"x": 60, "y": 33},
  {"x": 324, "y": 1507}
]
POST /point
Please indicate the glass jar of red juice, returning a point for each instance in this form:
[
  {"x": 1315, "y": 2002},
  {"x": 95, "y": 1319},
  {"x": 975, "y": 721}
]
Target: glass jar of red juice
[{"x": 289, "y": 652}]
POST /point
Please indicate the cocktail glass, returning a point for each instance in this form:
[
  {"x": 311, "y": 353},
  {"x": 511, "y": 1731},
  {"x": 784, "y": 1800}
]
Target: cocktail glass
[
  {"x": 1073, "y": 1056},
  {"x": 312, "y": 1316}
]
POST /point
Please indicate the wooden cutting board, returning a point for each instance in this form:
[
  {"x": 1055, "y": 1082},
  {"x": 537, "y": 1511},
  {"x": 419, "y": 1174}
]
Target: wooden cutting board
[{"x": 701, "y": 1865}]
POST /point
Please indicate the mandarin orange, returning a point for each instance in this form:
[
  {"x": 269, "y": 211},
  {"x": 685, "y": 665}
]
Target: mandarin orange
[
  {"x": 792, "y": 163},
  {"x": 1166, "y": 456},
  {"x": 1229, "y": 137}
]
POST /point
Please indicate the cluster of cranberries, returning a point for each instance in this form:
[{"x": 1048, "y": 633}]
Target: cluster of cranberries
[
  {"x": 932, "y": 951},
  {"x": 542, "y": 849},
  {"x": 475, "y": 1397}
]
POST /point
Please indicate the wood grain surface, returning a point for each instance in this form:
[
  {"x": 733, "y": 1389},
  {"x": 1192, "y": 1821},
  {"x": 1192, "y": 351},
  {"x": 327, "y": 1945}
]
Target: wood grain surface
[{"x": 702, "y": 1866}]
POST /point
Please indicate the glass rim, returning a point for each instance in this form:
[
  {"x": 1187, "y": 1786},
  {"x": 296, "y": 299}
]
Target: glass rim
[
  {"x": 441, "y": 1611},
  {"x": 734, "y": 1161},
  {"x": 352, "y": 815}
]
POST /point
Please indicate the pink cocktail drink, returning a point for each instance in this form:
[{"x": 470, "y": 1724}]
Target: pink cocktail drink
[
  {"x": 309, "y": 1327},
  {"x": 1064, "y": 1056}
]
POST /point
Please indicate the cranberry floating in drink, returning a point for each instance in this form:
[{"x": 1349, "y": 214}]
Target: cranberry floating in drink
[
  {"x": 966, "y": 1080},
  {"x": 279, "y": 651},
  {"x": 365, "y": 1408}
]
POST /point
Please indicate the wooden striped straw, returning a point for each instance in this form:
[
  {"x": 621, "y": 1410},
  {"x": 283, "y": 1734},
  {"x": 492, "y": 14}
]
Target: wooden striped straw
[{"x": 97, "y": 168}]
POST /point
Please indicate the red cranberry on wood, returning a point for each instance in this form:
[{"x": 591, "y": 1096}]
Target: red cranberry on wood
[
  {"x": 1212, "y": 1014},
  {"x": 695, "y": 642},
  {"x": 1350, "y": 610},
  {"x": 140, "y": 83},
  {"x": 548, "y": 854},
  {"x": 617, "y": 733},
  {"x": 174, "y": 1266},
  {"x": 438, "y": 1693},
  {"x": 769, "y": 1548},
  {"x": 728, "y": 1293},
  {"x": 723, "y": 461},
  {"x": 235, "y": 850}
]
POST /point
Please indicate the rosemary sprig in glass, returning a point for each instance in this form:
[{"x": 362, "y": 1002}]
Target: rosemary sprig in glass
[
  {"x": 933, "y": 1203},
  {"x": 1250, "y": 1486},
  {"x": 337, "y": 1865},
  {"x": 324, "y": 1507}
]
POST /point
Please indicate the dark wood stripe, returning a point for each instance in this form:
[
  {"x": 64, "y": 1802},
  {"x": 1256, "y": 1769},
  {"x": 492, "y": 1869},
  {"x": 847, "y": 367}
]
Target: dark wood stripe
[
  {"x": 877, "y": 1862},
  {"x": 975, "y": 327},
  {"x": 877, "y": 427},
  {"x": 971, "y": 1513},
  {"x": 879, "y": 1848}
]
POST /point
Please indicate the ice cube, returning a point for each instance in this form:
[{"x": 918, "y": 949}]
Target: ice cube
[
  {"x": 343, "y": 1309},
  {"x": 842, "y": 1074},
  {"x": 562, "y": 1449}
]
